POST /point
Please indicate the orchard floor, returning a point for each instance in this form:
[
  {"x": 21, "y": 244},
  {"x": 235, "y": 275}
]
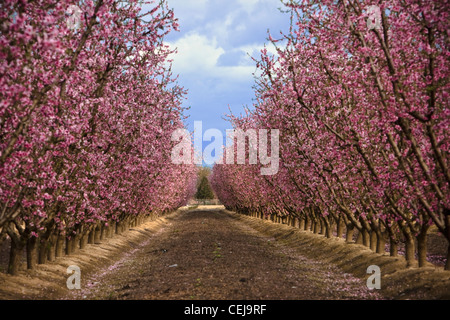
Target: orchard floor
[{"x": 212, "y": 253}]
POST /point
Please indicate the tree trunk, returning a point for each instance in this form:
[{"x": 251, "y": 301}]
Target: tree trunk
[
  {"x": 409, "y": 248},
  {"x": 91, "y": 235},
  {"x": 69, "y": 246},
  {"x": 119, "y": 227},
  {"x": 339, "y": 229},
  {"x": 84, "y": 240},
  {"x": 393, "y": 247},
  {"x": 359, "y": 238},
  {"x": 366, "y": 237},
  {"x": 381, "y": 242},
  {"x": 59, "y": 247},
  {"x": 322, "y": 226},
  {"x": 349, "y": 233},
  {"x": 74, "y": 242},
  {"x": 328, "y": 231},
  {"x": 316, "y": 227},
  {"x": 108, "y": 229},
  {"x": 373, "y": 241},
  {"x": 393, "y": 242},
  {"x": 112, "y": 228},
  {"x": 103, "y": 231},
  {"x": 422, "y": 245},
  {"x": 307, "y": 223},
  {"x": 301, "y": 224},
  {"x": 328, "y": 228},
  {"x": 2, "y": 236},
  {"x": 97, "y": 235},
  {"x": 31, "y": 252},
  {"x": 51, "y": 248},
  {"x": 43, "y": 251},
  {"x": 15, "y": 257}
]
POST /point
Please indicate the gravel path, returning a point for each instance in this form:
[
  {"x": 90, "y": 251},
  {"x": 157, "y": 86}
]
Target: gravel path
[{"x": 210, "y": 254}]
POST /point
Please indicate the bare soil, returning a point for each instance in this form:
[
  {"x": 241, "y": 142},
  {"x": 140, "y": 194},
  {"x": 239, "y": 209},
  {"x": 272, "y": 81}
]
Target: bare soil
[{"x": 212, "y": 253}]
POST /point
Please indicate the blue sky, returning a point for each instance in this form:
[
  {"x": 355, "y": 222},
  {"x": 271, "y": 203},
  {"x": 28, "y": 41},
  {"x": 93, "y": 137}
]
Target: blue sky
[{"x": 215, "y": 39}]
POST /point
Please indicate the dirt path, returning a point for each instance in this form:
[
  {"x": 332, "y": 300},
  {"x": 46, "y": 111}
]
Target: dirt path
[{"x": 212, "y": 254}]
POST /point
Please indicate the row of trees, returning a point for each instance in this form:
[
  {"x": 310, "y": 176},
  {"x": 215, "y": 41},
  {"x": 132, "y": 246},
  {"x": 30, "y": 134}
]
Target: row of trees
[
  {"x": 87, "y": 111},
  {"x": 362, "y": 108}
]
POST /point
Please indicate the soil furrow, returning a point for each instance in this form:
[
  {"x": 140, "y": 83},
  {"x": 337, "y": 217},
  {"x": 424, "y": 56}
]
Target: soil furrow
[{"x": 209, "y": 254}]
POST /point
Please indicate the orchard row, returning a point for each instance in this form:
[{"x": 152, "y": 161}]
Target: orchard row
[
  {"x": 362, "y": 109},
  {"x": 87, "y": 112}
]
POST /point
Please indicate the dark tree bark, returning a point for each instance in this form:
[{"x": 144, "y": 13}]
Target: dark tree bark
[
  {"x": 15, "y": 257},
  {"x": 31, "y": 252}
]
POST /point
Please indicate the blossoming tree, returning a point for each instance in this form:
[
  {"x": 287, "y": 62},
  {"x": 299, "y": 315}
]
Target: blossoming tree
[
  {"x": 361, "y": 102},
  {"x": 87, "y": 110}
]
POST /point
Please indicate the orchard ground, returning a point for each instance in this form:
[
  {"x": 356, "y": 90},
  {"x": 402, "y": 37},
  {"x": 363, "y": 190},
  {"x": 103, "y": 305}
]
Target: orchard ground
[{"x": 211, "y": 253}]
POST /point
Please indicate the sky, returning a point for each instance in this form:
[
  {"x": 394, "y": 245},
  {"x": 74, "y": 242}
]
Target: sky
[{"x": 214, "y": 45}]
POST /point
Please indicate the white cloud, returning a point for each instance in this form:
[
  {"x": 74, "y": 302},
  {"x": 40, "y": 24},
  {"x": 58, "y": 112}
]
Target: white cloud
[
  {"x": 213, "y": 46},
  {"x": 199, "y": 55},
  {"x": 195, "y": 53}
]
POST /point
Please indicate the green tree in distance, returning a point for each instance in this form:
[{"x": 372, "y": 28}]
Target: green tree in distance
[{"x": 204, "y": 190}]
